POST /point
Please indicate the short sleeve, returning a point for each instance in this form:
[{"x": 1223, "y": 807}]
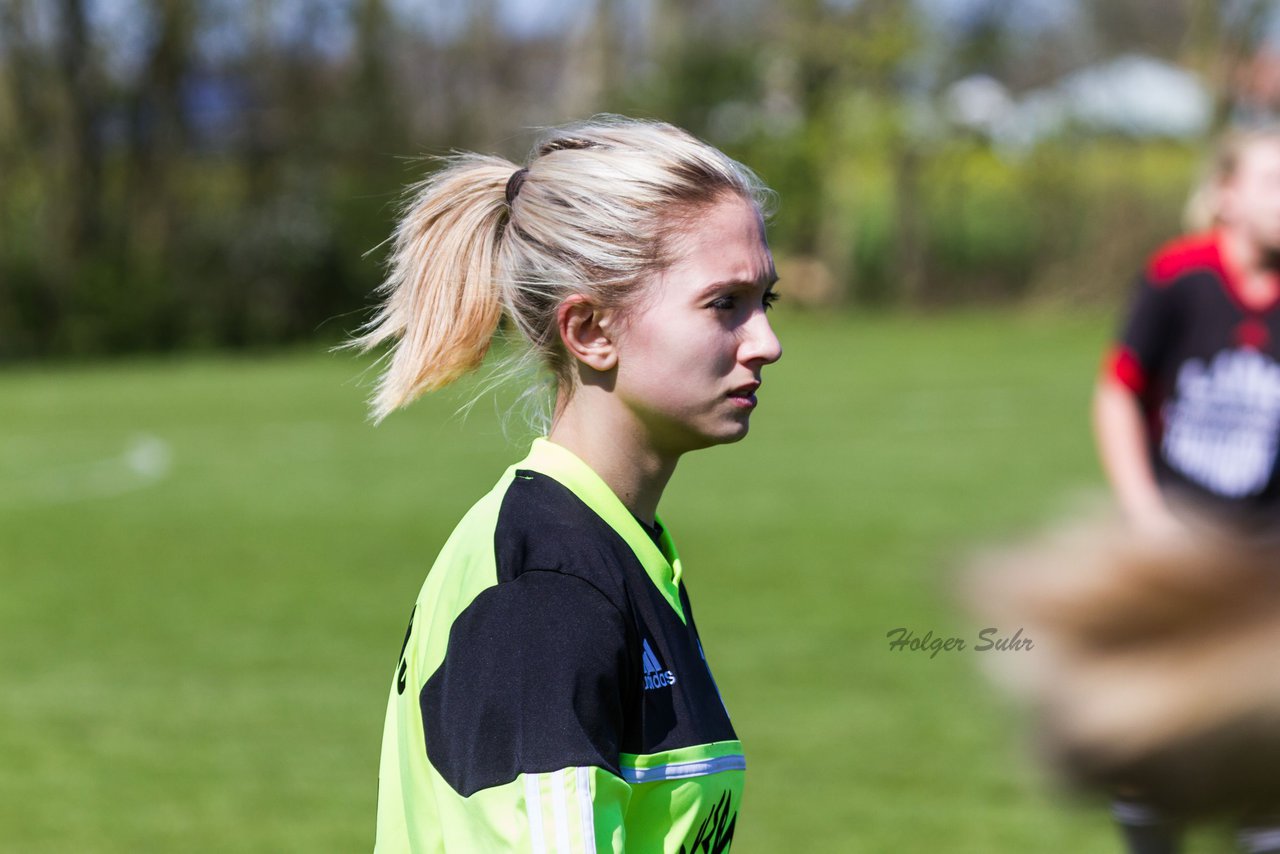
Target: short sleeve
[
  {"x": 1144, "y": 339},
  {"x": 532, "y": 681}
]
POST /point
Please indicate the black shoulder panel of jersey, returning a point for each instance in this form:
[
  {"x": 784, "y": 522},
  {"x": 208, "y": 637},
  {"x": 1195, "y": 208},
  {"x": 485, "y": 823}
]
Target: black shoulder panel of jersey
[
  {"x": 532, "y": 682},
  {"x": 543, "y": 525},
  {"x": 572, "y": 658}
]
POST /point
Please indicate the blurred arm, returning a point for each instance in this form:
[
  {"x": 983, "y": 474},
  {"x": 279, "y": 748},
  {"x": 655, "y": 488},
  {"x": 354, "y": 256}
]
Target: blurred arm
[{"x": 1121, "y": 435}]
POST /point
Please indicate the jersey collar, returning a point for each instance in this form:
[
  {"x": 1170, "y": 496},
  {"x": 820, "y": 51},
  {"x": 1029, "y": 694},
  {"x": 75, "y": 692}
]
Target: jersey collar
[{"x": 660, "y": 560}]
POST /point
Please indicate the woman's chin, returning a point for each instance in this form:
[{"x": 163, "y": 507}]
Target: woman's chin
[{"x": 731, "y": 433}]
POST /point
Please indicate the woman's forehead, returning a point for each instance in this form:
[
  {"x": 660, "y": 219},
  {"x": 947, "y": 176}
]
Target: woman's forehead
[{"x": 726, "y": 242}]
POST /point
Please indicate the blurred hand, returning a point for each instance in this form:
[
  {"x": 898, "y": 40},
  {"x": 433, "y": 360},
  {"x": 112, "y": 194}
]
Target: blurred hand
[{"x": 1156, "y": 522}]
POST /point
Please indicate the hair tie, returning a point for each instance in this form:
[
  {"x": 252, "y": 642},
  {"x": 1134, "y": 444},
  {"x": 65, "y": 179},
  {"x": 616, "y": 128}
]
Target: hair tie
[{"x": 514, "y": 183}]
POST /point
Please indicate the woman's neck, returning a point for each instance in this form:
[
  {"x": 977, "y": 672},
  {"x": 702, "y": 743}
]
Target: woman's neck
[
  {"x": 610, "y": 440},
  {"x": 1253, "y": 267}
]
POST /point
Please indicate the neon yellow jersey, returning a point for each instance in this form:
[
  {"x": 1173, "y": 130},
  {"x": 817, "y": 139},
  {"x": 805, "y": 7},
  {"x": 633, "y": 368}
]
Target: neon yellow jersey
[{"x": 552, "y": 694}]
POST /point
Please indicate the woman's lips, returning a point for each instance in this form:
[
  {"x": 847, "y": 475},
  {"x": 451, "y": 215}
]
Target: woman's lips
[{"x": 745, "y": 396}]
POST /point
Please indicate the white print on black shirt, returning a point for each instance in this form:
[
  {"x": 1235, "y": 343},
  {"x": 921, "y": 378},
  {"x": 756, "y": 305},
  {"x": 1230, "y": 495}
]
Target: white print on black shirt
[{"x": 1221, "y": 428}]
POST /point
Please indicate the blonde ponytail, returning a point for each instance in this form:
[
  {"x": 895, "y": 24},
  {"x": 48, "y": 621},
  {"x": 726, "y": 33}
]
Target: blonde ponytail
[
  {"x": 442, "y": 299},
  {"x": 595, "y": 212}
]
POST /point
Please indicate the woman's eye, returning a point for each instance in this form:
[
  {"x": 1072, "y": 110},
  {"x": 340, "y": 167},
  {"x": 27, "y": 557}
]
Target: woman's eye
[
  {"x": 724, "y": 303},
  {"x": 770, "y": 297}
]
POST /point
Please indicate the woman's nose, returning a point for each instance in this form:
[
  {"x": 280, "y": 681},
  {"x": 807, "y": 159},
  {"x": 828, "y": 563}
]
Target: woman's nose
[{"x": 761, "y": 344}]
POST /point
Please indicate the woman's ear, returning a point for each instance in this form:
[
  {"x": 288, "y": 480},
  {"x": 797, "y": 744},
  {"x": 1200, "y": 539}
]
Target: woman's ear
[{"x": 587, "y": 333}]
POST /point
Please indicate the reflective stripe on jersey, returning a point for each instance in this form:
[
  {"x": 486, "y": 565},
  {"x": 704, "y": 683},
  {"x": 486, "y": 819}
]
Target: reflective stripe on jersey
[
  {"x": 682, "y": 764},
  {"x": 560, "y": 810}
]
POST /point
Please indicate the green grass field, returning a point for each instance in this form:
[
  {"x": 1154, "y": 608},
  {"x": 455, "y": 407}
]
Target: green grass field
[{"x": 206, "y": 566}]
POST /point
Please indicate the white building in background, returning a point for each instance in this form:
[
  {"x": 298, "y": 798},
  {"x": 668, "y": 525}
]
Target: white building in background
[{"x": 1134, "y": 95}]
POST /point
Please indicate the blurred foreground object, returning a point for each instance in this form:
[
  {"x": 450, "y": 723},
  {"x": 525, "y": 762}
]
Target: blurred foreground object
[{"x": 1156, "y": 666}]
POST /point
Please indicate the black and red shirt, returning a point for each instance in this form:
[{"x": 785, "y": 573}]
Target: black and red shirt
[{"x": 1203, "y": 363}]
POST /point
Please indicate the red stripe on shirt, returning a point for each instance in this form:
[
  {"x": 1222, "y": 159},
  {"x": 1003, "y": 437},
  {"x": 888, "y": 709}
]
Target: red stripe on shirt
[
  {"x": 1122, "y": 366},
  {"x": 1184, "y": 255}
]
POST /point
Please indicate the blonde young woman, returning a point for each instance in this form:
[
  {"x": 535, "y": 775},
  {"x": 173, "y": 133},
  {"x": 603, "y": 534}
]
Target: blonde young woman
[{"x": 552, "y": 693}]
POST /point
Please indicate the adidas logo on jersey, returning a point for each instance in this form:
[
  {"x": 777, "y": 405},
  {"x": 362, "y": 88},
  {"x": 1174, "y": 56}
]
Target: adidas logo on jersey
[{"x": 654, "y": 675}]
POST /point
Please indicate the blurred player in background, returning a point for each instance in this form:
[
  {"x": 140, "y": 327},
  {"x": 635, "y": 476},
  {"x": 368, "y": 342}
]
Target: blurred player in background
[{"x": 1187, "y": 410}]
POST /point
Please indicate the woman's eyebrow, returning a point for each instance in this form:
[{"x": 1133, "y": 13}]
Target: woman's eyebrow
[{"x": 768, "y": 281}]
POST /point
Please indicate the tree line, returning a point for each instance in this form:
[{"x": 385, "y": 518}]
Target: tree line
[{"x": 179, "y": 174}]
